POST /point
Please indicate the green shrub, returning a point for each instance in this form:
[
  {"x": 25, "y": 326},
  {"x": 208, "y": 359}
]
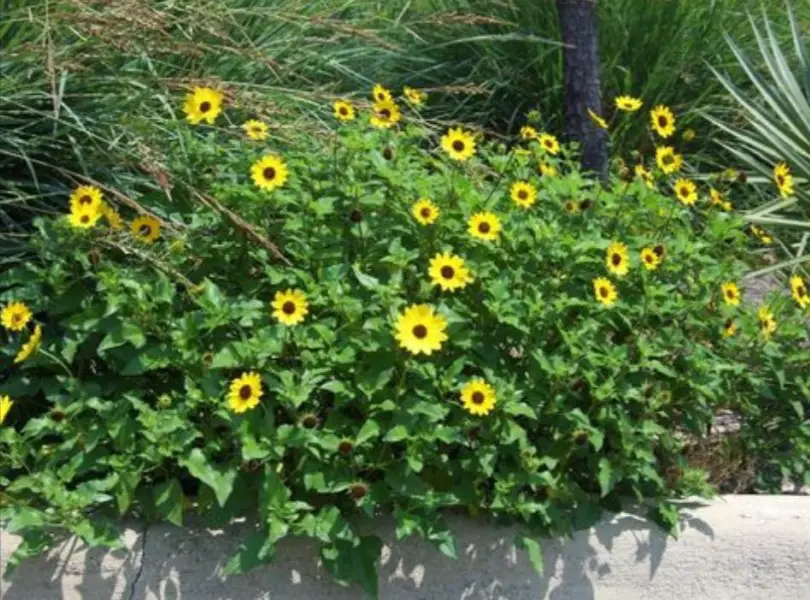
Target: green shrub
[{"x": 142, "y": 396}]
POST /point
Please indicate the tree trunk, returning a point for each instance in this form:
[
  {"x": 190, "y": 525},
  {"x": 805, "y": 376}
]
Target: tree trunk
[{"x": 580, "y": 36}]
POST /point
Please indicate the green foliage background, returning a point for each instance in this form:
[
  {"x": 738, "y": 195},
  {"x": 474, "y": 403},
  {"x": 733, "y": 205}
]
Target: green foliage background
[{"x": 123, "y": 410}]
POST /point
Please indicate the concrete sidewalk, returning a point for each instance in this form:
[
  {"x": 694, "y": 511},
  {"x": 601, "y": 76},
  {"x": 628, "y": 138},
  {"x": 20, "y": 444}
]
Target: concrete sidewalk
[{"x": 737, "y": 547}]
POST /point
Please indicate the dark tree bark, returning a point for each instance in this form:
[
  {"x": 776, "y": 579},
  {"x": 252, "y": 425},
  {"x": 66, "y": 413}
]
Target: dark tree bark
[{"x": 580, "y": 36}]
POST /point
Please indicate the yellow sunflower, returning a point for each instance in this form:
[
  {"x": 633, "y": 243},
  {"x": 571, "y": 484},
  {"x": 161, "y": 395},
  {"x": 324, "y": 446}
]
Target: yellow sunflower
[
  {"x": 15, "y": 316},
  {"x": 800, "y": 293},
  {"x": 269, "y": 172},
  {"x": 245, "y": 392},
  {"x": 731, "y": 293},
  {"x": 459, "y": 144},
  {"x": 715, "y": 197},
  {"x": 627, "y": 103},
  {"x": 414, "y": 96},
  {"x": 448, "y": 272},
  {"x": 668, "y": 160},
  {"x": 84, "y": 218},
  {"x": 572, "y": 207},
  {"x": 419, "y": 329},
  {"x": 5, "y": 405},
  {"x": 767, "y": 323},
  {"x": 255, "y": 130},
  {"x": 145, "y": 228},
  {"x": 618, "y": 259},
  {"x": 783, "y": 179},
  {"x": 290, "y": 306},
  {"x": 599, "y": 121},
  {"x": 523, "y": 193},
  {"x": 650, "y": 259},
  {"x": 729, "y": 328},
  {"x": 645, "y": 175},
  {"x": 527, "y": 132},
  {"x": 663, "y": 121},
  {"x": 381, "y": 94},
  {"x": 478, "y": 397},
  {"x": 85, "y": 197},
  {"x": 547, "y": 170},
  {"x": 605, "y": 291},
  {"x": 761, "y": 234},
  {"x": 114, "y": 220},
  {"x": 484, "y": 226},
  {"x": 343, "y": 110},
  {"x": 549, "y": 143},
  {"x": 425, "y": 212},
  {"x": 31, "y": 346},
  {"x": 686, "y": 191},
  {"x": 203, "y": 104},
  {"x": 385, "y": 115}
]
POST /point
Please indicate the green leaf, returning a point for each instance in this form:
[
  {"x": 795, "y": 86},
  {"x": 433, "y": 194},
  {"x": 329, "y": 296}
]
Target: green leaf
[
  {"x": 226, "y": 358},
  {"x": 125, "y": 489},
  {"x": 273, "y": 494},
  {"x": 396, "y": 434},
  {"x": 168, "y": 501},
  {"x": 367, "y": 281},
  {"x": 605, "y": 476},
  {"x": 534, "y": 551},
  {"x": 355, "y": 561},
  {"x": 253, "y": 551},
  {"x": 219, "y": 480},
  {"x": 369, "y": 430},
  {"x": 519, "y": 408},
  {"x": 122, "y": 333}
]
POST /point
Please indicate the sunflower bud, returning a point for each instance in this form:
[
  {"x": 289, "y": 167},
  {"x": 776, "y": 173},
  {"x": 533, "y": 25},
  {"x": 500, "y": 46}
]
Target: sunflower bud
[
  {"x": 358, "y": 490},
  {"x": 58, "y": 415},
  {"x": 388, "y": 153},
  {"x": 345, "y": 447},
  {"x": 356, "y": 216},
  {"x": 309, "y": 421}
]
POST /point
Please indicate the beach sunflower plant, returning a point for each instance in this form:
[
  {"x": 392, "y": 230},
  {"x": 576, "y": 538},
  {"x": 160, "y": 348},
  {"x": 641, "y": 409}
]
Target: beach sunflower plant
[{"x": 311, "y": 329}]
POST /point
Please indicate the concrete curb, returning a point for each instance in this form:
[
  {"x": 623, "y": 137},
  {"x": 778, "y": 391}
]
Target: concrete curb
[{"x": 736, "y": 547}]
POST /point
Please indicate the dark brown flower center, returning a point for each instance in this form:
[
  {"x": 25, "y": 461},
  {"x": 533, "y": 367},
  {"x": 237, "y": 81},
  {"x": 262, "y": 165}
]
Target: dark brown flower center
[
  {"x": 310, "y": 421},
  {"x": 425, "y": 212},
  {"x": 730, "y": 294},
  {"x": 458, "y": 146},
  {"x": 780, "y": 179},
  {"x": 358, "y": 490},
  {"x": 662, "y": 121},
  {"x": 448, "y": 272},
  {"x": 345, "y": 447},
  {"x": 684, "y": 191},
  {"x": 659, "y": 250},
  {"x": 483, "y": 227},
  {"x": 269, "y": 173},
  {"x": 648, "y": 258},
  {"x": 616, "y": 259},
  {"x": 245, "y": 392},
  {"x": 205, "y": 106},
  {"x": 667, "y": 159},
  {"x": 478, "y": 398},
  {"x": 548, "y": 144},
  {"x": 144, "y": 230},
  {"x": 385, "y": 113},
  {"x": 85, "y": 219},
  {"x": 603, "y": 291},
  {"x": 801, "y": 291},
  {"x": 288, "y": 308},
  {"x": 16, "y": 318},
  {"x": 85, "y": 200},
  {"x": 522, "y": 194},
  {"x": 343, "y": 111},
  {"x": 420, "y": 332}
]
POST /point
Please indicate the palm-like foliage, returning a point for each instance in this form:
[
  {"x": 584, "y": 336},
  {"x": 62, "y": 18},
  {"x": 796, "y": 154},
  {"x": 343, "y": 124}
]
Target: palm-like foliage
[{"x": 775, "y": 128}]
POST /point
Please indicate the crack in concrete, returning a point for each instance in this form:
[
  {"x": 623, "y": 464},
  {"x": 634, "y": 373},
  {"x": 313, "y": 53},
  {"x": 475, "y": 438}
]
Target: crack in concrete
[{"x": 132, "y": 588}]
